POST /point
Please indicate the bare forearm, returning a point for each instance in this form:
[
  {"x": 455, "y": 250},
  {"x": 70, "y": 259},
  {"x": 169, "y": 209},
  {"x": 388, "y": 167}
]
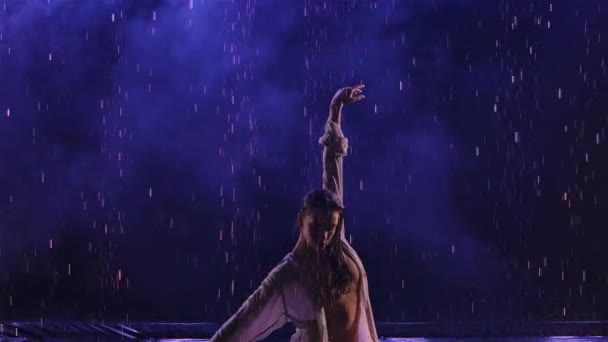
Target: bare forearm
[{"x": 335, "y": 112}]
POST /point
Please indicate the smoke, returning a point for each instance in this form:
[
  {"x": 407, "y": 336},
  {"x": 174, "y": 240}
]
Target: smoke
[
  {"x": 171, "y": 120},
  {"x": 109, "y": 101}
]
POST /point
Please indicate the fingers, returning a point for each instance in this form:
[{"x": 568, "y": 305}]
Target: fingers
[
  {"x": 350, "y": 94},
  {"x": 356, "y": 93},
  {"x": 356, "y": 99},
  {"x": 355, "y": 89},
  {"x": 358, "y": 88}
]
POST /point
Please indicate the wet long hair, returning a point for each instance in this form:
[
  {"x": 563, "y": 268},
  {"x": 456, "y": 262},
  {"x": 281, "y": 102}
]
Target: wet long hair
[{"x": 334, "y": 277}]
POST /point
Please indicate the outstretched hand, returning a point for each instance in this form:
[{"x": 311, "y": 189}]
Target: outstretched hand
[{"x": 348, "y": 95}]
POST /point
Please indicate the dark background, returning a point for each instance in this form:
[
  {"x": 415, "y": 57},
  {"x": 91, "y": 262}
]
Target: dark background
[{"x": 153, "y": 154}]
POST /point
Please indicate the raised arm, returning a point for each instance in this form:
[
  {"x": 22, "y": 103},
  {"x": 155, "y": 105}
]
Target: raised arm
[
  {"x": 335, "y": 144},
  {"x": 261, "y": 314}
]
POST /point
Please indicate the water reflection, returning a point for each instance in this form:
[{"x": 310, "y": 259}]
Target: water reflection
[
  {"x": 506, "y": 339},
  {"x": 496, "y": 339}
]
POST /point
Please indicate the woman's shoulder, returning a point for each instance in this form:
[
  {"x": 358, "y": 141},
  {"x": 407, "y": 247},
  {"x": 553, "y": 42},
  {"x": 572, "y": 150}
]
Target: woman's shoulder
[
  {"x": 285, "y": 271},
  {"x": 354, "y": 257}
]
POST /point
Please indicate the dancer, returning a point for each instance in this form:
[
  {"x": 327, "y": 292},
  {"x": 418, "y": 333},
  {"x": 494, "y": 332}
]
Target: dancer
[{"x": 321, "y": 285}]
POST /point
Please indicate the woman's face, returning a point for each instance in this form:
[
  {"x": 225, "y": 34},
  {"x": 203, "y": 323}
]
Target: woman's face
[{"x": 319, "y": 227}]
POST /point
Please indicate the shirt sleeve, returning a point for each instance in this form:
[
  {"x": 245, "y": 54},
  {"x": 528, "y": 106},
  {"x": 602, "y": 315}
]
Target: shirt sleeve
[
  {"x": 261, "y": 314},
  {"x": 335, "y": 148}
]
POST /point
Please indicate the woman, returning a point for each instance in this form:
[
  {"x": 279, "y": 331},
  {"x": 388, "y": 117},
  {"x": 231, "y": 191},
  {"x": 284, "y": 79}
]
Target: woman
[{"x": 321, "y": 286}]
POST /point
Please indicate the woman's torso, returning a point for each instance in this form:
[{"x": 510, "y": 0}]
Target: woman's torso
[
  {"x": 345, "y": 319},
  {"x": 343, "y": 313}
]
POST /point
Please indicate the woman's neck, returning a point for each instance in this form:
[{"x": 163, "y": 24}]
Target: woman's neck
[{"x": 301, "y": 250}]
